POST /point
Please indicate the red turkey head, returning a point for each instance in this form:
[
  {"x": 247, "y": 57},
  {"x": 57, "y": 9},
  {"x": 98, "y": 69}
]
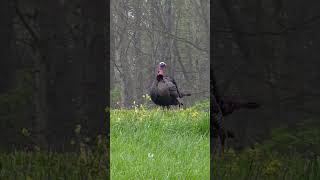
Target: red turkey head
[{"x": 161, "y": 69}]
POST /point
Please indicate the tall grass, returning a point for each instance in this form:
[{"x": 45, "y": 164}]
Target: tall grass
[
  {"x": 160, "y": 144},
  {"x": 86, "y": 162},
  {"x": 289, "y": 154},
  {"x": 41, "y": 165}
]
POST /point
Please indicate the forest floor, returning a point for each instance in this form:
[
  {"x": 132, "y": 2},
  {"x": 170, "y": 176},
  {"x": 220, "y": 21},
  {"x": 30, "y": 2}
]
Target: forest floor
[
  {"x": 160, "y": 144},
  {"x": 288, "y": 154}
]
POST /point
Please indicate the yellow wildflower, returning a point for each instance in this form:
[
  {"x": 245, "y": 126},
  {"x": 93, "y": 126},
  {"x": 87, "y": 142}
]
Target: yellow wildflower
[{"x": 194, "y": 114}]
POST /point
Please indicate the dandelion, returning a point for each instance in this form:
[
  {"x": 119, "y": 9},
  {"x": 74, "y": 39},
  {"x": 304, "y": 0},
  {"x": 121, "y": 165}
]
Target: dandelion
[
  {"x": 25, "y": 132},
  {"x": 148, "y": 97},
  {"x": 150, "y": 155},
  {"x": 194, "y": 114},
  {"x": 77, "y": 129},
  {"x": 255, "y": 153},
  {"x": 72, "y": 142},
  {"x": 273, "y": 167}
]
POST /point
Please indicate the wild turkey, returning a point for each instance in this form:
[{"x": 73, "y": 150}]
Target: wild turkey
[
  {"x": 164, "y": 91},
  {"x": 224, "y": 106}
]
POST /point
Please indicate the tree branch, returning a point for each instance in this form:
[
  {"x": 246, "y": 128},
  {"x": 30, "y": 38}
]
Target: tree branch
[
  {"x": 270, "y": 33},
  {"x": 25, "y": 23},
  {"x": 182, "y": 40}
]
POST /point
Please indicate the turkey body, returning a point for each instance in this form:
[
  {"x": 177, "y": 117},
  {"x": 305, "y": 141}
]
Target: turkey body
[
  {"x": 164, "y": 92},
  {"x": 224, "y": 107}
]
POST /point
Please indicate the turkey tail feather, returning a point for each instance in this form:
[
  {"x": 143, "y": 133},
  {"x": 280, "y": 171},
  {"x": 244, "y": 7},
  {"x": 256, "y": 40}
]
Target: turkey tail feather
[
  {"x": 251, "y": 105},
  {"x": 185, "y": 94}
]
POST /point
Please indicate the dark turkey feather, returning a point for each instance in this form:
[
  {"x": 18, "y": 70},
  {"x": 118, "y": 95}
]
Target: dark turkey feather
[
  {"x": 165, "y": 92},
  {"x": 223, "y": 106}
]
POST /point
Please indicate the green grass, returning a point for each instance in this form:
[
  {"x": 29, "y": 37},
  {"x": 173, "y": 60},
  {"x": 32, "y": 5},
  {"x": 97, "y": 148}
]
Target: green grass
[
  {"x": 41, "y": 165},
  {"x": 292, "y": 154},
  {"x": 160, "y": 144},
  {"x": 174, "y": 144},
  {"x": 85, "y": 162}
]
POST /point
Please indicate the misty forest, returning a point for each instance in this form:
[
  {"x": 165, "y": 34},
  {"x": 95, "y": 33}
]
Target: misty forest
[
  {"x": 54, "y": 90},
  {"x": 145, "y": 33}
]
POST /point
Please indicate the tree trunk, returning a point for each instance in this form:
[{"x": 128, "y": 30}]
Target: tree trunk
[
  {"x": 95, "y": 80},
  {"x": 59, "y": 83},
  {"x": 139, "y": 63},
  {"x": 6, "y": 63},
  {"x": 6, "y": 45},
  {"x": 40, "y": 117}
]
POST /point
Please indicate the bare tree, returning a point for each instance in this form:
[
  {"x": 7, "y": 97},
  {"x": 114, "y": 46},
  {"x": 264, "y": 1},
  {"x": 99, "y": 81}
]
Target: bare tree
[{"x": 148, "y": 32}]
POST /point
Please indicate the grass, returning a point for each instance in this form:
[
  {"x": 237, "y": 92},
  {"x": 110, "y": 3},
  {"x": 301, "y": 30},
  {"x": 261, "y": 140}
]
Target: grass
[
  {"x": 145, "y": 144},
  {"x": 292, "y": 154},
  {"x": 160, "y": 144},
  {"x": 41, "y": 165},
  {"x": 86, "y": 162}
]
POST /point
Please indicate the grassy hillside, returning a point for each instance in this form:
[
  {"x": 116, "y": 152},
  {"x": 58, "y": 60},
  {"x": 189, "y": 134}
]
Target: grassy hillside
[{"x": 162, "y": 144}]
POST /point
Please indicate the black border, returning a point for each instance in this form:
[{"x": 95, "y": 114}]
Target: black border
[{"x": 108, "y": 15}]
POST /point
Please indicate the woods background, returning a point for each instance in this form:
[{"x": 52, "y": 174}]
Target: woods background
[
  {"x": 146, "y": 32},
  {"x": 267, "y": 51},
  {"x": 53, "y": 72}
]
